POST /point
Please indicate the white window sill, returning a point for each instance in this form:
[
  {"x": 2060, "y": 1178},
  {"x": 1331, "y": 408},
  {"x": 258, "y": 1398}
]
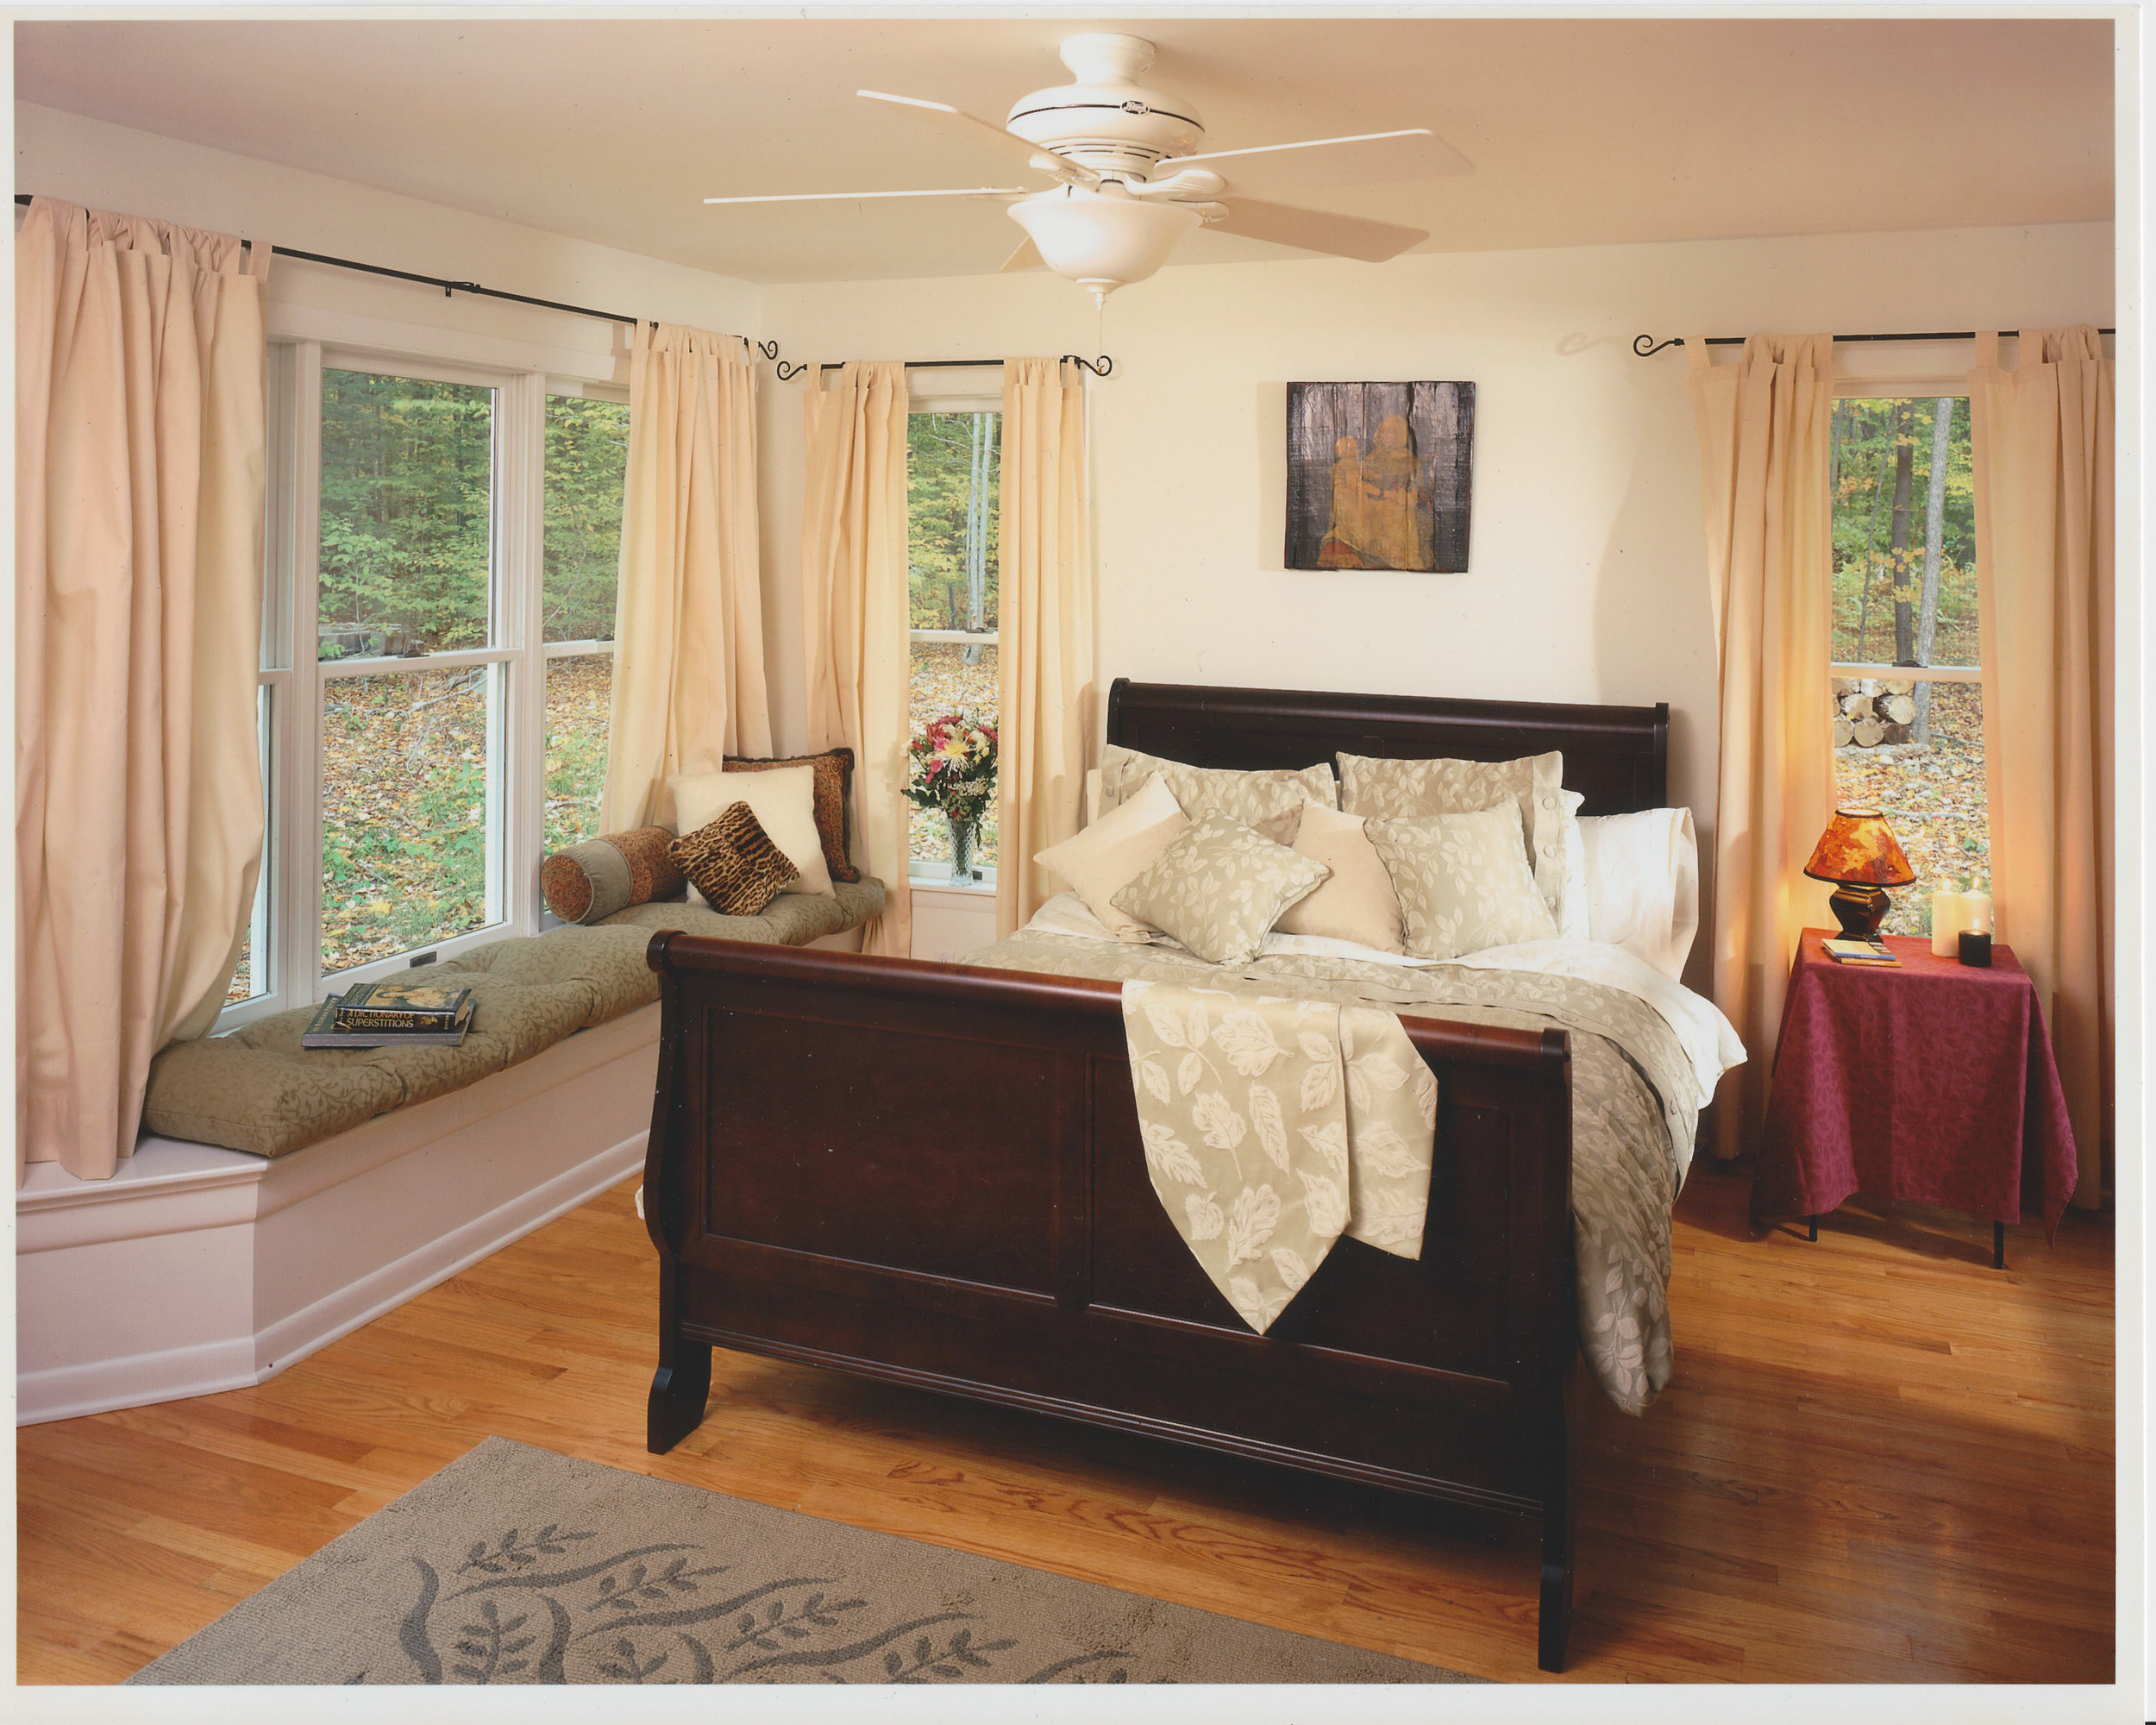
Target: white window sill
[{"x": 942, "y": 883}]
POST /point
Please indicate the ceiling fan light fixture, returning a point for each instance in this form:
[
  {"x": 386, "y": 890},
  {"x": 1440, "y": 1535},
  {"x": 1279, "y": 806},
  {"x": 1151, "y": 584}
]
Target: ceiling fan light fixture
[{"x": 1104, "y": 242}]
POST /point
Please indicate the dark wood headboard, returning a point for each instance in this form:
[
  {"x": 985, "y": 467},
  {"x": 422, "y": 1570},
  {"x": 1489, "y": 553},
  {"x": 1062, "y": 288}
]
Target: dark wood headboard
[{"x": 1617, "y": 757}]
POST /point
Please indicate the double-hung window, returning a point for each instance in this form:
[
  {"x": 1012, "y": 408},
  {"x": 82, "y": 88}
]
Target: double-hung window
[
  {"x": 954, "y": 467},
  {"x": 1906, "y": 697},
  {"x": 437, "y": 657}
]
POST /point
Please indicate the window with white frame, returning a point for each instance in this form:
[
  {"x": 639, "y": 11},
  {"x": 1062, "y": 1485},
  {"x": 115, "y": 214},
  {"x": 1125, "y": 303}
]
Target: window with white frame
[
  {"x": 1908, "y": 698},
  {"x": 437, "y": 657},
  {"x": 954, "y": 465}
]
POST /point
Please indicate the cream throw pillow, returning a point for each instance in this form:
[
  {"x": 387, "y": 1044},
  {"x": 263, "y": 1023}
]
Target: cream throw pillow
[
  {"x": 1219, "y": 889},
  {"x": 783, "y": 800},
  {"x": 1462, "y": 882},
  {"x": 1270, "y": 798},
  {"x": 1356, "y": 901},
  {"x": 1372, "y": 785},
  {"x": 1105, "y": 857}
]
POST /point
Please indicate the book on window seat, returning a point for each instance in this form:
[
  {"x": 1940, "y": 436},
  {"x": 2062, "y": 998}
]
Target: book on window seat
[
  {"x": 325, "y": 1031},
  {"x": 1872, "y": 951},
  {"x": 401, "y": 1003}
]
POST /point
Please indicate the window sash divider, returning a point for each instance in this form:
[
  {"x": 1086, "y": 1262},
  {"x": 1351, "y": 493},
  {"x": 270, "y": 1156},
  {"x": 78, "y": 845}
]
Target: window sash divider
[
  {"x": 461, "y": 661},
  {"x": 577, "y": 649},
  {"x": 1919, "y": 674},
  {"x": 956, "y": 637}
]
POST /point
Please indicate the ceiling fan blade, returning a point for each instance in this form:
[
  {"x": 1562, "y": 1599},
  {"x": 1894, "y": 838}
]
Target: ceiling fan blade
[
  {"x": 966, "y": 126},
  {"x": 1027, "y": 257},
  {"x": 848, "y": 196},
  {"x": 1415, "y": 153},
  {"x": 1317, "y": 230}
]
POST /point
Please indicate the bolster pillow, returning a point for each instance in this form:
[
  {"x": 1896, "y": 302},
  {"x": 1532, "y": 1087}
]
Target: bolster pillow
[{"x": 589, "y": 882}]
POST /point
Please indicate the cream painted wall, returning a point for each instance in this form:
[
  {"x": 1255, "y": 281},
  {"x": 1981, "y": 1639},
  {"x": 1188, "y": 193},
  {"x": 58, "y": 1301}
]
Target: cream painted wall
[
  {"x": 1586, "y": 576},
  {"x": 113, "y": 167}
]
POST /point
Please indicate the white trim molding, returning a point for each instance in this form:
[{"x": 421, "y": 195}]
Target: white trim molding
[{"x": 196, "y": 1269}]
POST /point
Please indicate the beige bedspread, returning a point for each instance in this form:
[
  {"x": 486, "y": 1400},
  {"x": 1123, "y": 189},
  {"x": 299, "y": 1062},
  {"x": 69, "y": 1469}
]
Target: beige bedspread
[{"x": 1633, "y": 1108}]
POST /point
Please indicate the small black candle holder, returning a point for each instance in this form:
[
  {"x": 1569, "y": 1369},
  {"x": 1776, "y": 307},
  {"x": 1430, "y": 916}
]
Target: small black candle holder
[{"x": 1976, "y": 950}]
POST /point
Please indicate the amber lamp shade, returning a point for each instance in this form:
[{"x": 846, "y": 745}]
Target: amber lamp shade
[{"x": 1859, "y": 853}]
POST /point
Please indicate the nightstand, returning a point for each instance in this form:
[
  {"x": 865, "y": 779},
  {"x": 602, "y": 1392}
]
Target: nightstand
[{"x": 1925, "y": 1082}]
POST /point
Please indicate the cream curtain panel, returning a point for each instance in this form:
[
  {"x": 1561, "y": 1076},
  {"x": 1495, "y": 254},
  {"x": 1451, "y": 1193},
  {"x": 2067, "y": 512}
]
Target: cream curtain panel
[
  {"x": 854, "y": 613},
  {"x": 2042, "y": 442},
  {"x": 138, "y": 547},
  {"x": 1044, "y": 711},
  {"x": 1762, "y": 431},
  {"x": 688, "y": 666}
]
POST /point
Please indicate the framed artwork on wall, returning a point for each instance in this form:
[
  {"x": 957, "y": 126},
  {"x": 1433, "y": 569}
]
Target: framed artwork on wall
[{"x": 1379, "y": 476}]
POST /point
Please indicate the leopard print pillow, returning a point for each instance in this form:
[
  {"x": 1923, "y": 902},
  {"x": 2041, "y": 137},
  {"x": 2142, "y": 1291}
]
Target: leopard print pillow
[{"x": 733, "y": 862}]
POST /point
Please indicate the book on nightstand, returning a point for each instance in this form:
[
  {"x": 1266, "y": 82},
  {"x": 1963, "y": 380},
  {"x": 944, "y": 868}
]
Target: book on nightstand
[
  {"x": 1872, "y": 951},
  {"x": 401, "y": 1004},
  {"x": 324, "y": 1031}
]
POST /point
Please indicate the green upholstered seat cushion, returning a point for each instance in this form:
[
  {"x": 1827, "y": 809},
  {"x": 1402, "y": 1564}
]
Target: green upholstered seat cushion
[{"x": 257, "y": 1089}]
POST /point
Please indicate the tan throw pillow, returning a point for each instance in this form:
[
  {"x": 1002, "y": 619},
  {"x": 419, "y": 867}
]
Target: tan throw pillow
[
  {"x": 784, "y": 802},
  {"x": 1356, "y": 902},
  {"x": 1370, "y": 785},
  {"x": 1270, "y": 800},
  {"x": 832, "y": 801},
  {"x": 1462, "y": 882},
  {"x": 1105, "y": 857},
  {"x": 1219, "y": 889},
  {"x": 588, "y": 882},
  {"x": 733, "y": 862}
]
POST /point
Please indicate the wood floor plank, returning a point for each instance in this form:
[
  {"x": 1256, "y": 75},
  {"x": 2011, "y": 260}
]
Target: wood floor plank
[{"x": 1880, "y": 1461}]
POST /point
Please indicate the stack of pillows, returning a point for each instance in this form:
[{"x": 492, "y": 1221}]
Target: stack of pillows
[
  {"x": 741, "y": 836},
  {"x": 1430, "y": 859}
]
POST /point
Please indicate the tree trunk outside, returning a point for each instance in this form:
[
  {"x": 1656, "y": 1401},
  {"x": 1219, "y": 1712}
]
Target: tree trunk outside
[
  {"x": 1898, "y": 545},
  {"x": 1935, "y": 536}
]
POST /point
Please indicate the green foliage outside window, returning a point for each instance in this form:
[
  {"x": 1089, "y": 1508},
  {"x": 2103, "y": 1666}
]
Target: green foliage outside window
[
  {"x": 1883, "y": 457},
  {"x": 953, "y": 476},
  {"x": 588, "y": 455}
]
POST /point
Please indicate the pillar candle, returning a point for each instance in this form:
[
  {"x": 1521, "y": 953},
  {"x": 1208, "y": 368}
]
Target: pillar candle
[
  {"x": 1947, "y": 913},
  {"x": 1975, "y": 912}
]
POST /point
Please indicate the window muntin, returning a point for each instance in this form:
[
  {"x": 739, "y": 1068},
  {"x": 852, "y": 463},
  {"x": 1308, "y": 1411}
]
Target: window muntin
[
  {"x": 954, "y": 468},
  {"x": 1907, "y": 702}
]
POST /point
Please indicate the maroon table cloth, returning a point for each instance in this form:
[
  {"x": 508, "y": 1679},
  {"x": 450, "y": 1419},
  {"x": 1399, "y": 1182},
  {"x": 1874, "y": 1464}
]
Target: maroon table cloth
[{"x": 1928, "y": 1081}]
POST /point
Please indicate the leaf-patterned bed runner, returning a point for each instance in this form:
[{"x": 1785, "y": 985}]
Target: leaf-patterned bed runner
[{"x": 1272, "y": 1127}]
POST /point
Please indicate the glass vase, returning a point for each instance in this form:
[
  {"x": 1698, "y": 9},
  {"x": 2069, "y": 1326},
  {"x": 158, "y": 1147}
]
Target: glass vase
[{"x": 964, "y": 834}]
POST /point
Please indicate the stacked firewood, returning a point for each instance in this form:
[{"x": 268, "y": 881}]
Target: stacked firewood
[{"x": 1869, "y": 711}]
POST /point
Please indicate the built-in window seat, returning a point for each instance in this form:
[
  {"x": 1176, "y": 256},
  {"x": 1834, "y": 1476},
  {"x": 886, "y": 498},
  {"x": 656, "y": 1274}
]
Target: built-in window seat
[{"x": 201, "y": 1267}]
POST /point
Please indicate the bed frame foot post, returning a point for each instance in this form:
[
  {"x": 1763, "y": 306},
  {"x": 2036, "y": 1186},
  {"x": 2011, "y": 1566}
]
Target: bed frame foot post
[{"x": 679, "y": 1388}]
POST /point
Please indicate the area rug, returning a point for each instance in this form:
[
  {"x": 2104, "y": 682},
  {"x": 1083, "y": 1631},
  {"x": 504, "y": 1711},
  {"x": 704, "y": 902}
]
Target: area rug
[{"x": 517, "y": 1565}]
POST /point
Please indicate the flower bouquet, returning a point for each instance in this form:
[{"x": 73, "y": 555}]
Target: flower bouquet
[{"x": 954, "y": 774}]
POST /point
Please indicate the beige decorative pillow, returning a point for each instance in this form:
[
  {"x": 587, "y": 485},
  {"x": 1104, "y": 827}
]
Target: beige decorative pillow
[
  {"x": 733, "y": 862},
  {"x": 1462, "y": 882},
  {"x": 1270, "y": 800},
  {"x": 1356, "y": 902},
  {"x": 1390, "y": 789},
  {"x": 783, "y": 799},
  {"x": 1219, "y": 888},
  {"x": 1105, "y": 856}
]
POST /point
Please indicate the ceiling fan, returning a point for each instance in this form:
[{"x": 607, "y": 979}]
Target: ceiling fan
[{"x": 1133, "y": 178}]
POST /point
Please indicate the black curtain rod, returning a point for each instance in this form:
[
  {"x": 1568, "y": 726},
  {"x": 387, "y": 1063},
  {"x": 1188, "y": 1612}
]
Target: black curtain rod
[
  {"x": 1099, "y": 368},
  {"x": 768, "y": 349},
  {"x": 1646, "y": 346}
]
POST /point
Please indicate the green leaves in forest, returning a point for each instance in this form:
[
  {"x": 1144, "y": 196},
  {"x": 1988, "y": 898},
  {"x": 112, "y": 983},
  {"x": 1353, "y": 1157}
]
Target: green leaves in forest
[{"x": 952, "y": 492}]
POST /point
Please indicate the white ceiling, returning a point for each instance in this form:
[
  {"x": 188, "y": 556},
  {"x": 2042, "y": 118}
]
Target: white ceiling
[{"x": 1583, "y": 131}]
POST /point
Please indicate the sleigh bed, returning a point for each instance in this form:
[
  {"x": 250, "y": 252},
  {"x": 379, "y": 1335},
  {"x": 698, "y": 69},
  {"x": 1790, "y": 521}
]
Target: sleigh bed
[{"x": 931, "y": 1175}]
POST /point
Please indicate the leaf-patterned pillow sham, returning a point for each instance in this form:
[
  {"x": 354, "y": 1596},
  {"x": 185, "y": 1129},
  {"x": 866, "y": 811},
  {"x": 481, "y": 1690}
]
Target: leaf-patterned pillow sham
[
  {"x": 1269, "y": 799},
  {"x": 1370, "y": 785},
  {"x": 1219, "y": 888},
  {"x": 1462, "y": 882}
]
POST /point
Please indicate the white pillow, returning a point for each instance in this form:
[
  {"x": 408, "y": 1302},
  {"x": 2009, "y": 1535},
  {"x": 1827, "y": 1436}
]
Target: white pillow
[
  {"x": 783, "y": 800},
  {"x": 1106, "y": 856},
  {"x": 1358, "y": 902},
  {"x": 1573, "y": 921},
  {"x": 1643, "y": 884}
]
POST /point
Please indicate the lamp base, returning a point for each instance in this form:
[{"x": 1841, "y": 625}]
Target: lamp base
[{"x": 1858, "y": 909}]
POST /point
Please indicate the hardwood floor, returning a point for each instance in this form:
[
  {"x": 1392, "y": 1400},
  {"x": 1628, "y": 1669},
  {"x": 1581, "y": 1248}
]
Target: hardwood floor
[{"x": 1881, "y": 1461}]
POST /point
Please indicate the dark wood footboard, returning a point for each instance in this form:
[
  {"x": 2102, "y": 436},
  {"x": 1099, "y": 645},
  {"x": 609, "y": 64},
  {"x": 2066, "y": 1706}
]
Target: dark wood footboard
[{"x": 932, "y": 1176}]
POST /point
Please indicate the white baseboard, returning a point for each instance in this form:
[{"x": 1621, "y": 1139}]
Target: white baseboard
[{"x": 197, "y": 1270}]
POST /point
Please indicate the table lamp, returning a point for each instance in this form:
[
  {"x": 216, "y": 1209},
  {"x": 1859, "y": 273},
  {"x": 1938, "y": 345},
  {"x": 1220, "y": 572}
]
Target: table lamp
[{"x": 1858, "y": 852}]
